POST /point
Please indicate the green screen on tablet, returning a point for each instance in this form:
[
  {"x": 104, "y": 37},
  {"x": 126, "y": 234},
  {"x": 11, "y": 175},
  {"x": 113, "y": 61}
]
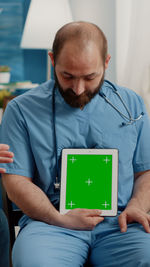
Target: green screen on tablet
[
  {"x": 88, "y": 187},
  {"x": 89, "y": 180}
]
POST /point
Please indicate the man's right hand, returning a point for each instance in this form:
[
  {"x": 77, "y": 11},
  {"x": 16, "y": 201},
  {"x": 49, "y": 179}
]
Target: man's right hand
[
  {"x": 81, "y": 219},
  {"x": 36, "y": 205}
]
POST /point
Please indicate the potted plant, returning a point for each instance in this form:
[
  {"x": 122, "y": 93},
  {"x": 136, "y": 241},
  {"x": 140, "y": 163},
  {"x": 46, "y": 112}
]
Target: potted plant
[{"x": 4, "y": 74}]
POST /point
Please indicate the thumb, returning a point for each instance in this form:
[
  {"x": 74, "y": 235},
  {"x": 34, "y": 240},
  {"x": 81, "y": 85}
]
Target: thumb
[
  {"x": 93, "y": 212},
  {"x": 122, "y": 220}
]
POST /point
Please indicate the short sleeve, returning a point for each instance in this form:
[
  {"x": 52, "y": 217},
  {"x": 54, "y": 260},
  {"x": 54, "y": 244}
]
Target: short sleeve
[
  {"x": 141, "y": 160},
  {"x": 15, "y": 133}
]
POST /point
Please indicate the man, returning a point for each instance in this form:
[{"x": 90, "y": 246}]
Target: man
[
  {"x": 80, "y": 111},
  {"x": 5, "y": 157}
]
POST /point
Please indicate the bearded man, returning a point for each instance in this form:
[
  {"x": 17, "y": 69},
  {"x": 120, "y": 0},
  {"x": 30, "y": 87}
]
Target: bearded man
[{"x": 78, "y": 110}]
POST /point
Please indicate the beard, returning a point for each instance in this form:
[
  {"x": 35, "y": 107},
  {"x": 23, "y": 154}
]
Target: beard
[{"x": 78, "y": 101}]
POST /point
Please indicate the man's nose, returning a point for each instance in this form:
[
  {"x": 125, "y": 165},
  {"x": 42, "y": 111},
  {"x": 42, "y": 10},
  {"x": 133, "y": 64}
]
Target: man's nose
[{"x": 78, "y": 86}]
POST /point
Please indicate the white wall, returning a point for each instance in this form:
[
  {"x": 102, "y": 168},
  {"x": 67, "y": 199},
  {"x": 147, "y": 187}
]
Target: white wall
[
  {"x": 123, "y": 14},
  {"x": 102, "y": 13}
]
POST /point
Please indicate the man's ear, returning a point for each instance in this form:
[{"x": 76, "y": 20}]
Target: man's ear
[
  {"x": 107, "y": 61},
  {"x": 51, "y": 57}
]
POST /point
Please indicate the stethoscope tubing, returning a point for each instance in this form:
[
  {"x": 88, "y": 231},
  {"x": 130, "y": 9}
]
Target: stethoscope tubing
[
  {"x": 56, "y": 184},
  {"x": 129, "y": 119}
]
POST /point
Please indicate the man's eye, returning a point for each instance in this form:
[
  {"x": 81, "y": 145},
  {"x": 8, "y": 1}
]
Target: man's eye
[
  {"x": 68, "y": 77},
  {"x": 90, "y": 78}
]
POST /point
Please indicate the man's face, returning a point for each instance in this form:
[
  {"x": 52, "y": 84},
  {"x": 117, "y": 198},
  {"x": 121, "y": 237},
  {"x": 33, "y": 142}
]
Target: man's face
[{"x": 79, "y": 73}]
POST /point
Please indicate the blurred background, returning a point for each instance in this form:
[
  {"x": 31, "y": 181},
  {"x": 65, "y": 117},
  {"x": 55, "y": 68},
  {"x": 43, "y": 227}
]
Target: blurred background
[{"x": 27, "y": 29}]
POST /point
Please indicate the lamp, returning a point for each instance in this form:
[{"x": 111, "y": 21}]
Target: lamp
[{"x": 44, "y": 18}]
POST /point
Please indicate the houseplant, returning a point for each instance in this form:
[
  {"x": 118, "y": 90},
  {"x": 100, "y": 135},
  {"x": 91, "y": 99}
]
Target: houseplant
[{"x": 4, "y": 74}]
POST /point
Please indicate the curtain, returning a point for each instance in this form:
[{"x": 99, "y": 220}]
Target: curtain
[{"x": 136, "y": 71}]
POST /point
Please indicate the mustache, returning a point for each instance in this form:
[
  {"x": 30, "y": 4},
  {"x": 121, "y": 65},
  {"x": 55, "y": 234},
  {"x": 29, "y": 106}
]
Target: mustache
[
  {"x": 77, "y": 101},
  {"x": 71, "y": 93}
]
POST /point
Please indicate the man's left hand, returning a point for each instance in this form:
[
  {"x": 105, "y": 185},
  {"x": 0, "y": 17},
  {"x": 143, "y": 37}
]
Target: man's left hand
[{"x": 134, "y": 214}]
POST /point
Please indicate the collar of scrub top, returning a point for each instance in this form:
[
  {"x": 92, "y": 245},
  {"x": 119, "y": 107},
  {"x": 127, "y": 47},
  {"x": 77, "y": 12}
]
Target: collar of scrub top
[{"x": 128, "y": 121}]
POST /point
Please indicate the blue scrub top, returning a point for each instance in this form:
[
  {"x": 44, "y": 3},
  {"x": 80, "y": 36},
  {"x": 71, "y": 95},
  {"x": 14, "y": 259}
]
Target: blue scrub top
[{"x": 27, "y": 126}]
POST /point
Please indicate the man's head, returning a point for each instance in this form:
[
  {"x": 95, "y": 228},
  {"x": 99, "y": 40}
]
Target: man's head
[{"x": 79, "y": 58}]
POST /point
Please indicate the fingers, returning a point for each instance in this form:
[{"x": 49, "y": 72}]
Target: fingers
[
  {"x": 122, "y": 220},
  {"x": 82, "y": 219},
  {"x": 86, "y": 212},
  {"x": 92, "y": 212},
  {"x": 5, "y": 155},
  {"x": 5, "y": 160},
  {"x": 92, "y": 218},
  {"x": 4, "y": 147},
  {"x": 97, "y": 220},
  {"x": 140, "y": 217},
  {"x": 92, "y": 222},
  {"x": 2, "y": 170},
  {"x": 145, "y": 221}
]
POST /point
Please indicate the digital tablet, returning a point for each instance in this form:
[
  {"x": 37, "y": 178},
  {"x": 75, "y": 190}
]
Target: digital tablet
[{"x": 89, "y": 180}]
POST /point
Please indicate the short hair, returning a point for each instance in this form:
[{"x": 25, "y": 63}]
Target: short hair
[{"x": 82, "y": 32}]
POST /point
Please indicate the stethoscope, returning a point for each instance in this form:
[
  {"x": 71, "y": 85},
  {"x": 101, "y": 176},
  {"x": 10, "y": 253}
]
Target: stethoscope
[{"x": 129, "y": 120}]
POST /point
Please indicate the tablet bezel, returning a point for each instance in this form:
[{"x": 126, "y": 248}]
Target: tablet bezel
[{"x": 114, "y": 153}]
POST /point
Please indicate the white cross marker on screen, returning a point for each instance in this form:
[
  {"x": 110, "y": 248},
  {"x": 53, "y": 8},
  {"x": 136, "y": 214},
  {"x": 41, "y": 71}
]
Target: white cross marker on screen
[
  {"x": 71, "y": 204},
  {"x": 105, "y": 204},
  {"x": 73, "y": 159},
  {"x": 89, "y": 182},
  {"x": 106, "y": 160}
]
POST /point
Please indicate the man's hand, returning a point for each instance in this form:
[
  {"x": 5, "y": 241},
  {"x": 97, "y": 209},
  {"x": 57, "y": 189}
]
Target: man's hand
[
  {"x": 5, "y": 156},
  {"x": 81, "y": 219},
  {"x": 134, "y": 214}
]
